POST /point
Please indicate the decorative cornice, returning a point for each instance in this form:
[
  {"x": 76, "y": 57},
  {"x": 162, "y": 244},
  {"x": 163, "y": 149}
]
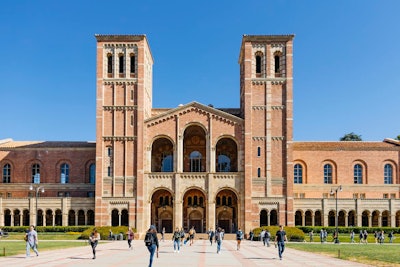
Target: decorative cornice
[
  {"x": 258, "y": 81},
  {"x": 111, "y": 45},
  {"x": 278, "y": 107},
  {"x": 277, "y": 138},
  {"x": 119, "y": 138},
  {"x": 277, "y": 45},
  {"x": 264, "y": 107},
  {"x": 119, "y": 108},
  {"x": 118, "y": 81},
  {"x": 259, "y": 138}
]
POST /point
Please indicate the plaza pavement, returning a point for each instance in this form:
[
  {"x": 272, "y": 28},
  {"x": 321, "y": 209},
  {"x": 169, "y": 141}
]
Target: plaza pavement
[{"x": 116, "y": 253}]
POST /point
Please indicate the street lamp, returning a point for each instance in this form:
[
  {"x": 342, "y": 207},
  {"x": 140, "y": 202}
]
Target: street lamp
[
  {"x": 37, "y": 190},
  {"x": 335, "y": 192}
]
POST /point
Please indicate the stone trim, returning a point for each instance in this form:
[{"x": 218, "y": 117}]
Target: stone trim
[
  {"x": 119, "y": 108},
  {"x": 119, "y": 138}
]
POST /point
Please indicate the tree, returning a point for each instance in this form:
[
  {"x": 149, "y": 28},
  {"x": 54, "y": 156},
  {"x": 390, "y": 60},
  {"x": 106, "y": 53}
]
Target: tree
[
  {"x": 351, "y": 137},
  {"x": 398, "y": 137}
]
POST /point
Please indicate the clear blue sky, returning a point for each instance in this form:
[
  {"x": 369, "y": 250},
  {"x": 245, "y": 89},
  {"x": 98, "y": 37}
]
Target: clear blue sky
[{"x": 346, "y": 61}]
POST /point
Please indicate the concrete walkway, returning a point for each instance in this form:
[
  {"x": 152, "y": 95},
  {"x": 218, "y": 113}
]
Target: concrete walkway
[{"x": 116, "y": 253}]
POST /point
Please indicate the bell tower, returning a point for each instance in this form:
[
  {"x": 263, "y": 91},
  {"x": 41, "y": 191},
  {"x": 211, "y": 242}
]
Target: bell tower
[
  {"x": 266, "y": 104},
  {"x": 123, "y": 102}
]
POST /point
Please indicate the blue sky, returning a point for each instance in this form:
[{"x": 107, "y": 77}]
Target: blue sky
[{"x": 346, "y": 61}]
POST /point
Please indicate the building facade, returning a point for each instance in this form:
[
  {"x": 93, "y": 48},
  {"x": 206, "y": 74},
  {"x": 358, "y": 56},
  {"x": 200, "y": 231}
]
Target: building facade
[{"x": 197, "y": 165}]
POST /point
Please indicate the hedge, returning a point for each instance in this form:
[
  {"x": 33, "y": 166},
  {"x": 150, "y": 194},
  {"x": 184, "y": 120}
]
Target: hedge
[{"x": 292, "y": 233}]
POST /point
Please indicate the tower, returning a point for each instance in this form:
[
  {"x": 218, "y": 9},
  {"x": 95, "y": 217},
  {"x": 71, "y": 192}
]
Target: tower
[
  {"x": 123, "y": 102},
  {"x": 266, "y": 100}
]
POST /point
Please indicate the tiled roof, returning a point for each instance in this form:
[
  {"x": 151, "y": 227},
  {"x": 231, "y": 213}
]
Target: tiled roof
[
  {"x": 346, "y": 145},
  {"x": 9, "y": 144}
]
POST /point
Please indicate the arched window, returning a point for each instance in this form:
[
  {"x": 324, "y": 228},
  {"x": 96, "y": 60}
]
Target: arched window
[
  {"x": 327, "y": 174},
  {"x": 258, "y": 64},
  {"x": 258, "y": 172},
  {"x": 121, "y": 63},
  {"x": 109, "y": 151},
  {"x": 133, "y": 66},
  {"x": 92, "y": 173},
  {"x": 167, "y": 162},
  {"x": 109, "y": 63},
  {"x": 224, "y": 164},
  {"x": 358, "y": 174},
  {"x": 388, "y": 174},
  {"x": 36, "y": 174},
  {"x": 195, "y": 161},
  {"x": 64, "y": 173},
  {"x": 258, "y": 151},
  {"x": 298, "y": 174},
  {"x": 7, "y": 173}
]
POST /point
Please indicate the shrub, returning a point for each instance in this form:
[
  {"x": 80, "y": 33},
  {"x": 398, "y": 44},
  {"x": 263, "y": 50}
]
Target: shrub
[{"x": 105, "y": 230}]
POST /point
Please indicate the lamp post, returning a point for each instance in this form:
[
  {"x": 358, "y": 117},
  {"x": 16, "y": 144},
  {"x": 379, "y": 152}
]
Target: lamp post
[
  {"x": 37, "y": 190},
  {"x": 335, "y": 192}
]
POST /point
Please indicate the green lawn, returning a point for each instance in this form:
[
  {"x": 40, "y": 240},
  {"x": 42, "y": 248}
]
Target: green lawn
[{"x": 373, "y": 254}]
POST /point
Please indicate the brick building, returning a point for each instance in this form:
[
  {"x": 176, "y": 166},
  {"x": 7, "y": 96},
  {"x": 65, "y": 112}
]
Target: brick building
[{"x": 197, "y": 165}]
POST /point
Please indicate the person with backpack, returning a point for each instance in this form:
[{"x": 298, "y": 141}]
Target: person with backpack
[
  {"x": 176, "y": 237},
  {"x": 218, "y": 239},
  {"x": 239, "y": 237},
  {"x": 280, "y": 238},
  {"x": 151, "y": 242},
  {"x": 192, "y": 233},
  {"x": 94, "y": 240}
]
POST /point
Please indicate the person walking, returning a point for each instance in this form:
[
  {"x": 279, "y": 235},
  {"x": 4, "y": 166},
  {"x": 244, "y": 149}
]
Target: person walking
[
  {"x": 311, "y": 234},
  {"x": 280, "y": 238},
  {"x": 251, "y": 235},
  {"x": 321, "y": 235},
  {"x": 192, "y": 233},
  {"x": 218, "y": 239},
  {"x": 267, "y": 237},
  {"x": 182, "y": 235},
  {"x": 94, "y": 240},
  {"x": 151, "y": 241},
  {"x": 162, "y": 234},
  {"x": 176, "y": 237},
  {"x": 352, "y": 236},
  {"x": 32, "y": 241},
  {"x": 130, "y": 236},
  {"x": 239, "y": 237},
  {"x": 391, "y": 235},
  {"x": 211, "y": 235}
]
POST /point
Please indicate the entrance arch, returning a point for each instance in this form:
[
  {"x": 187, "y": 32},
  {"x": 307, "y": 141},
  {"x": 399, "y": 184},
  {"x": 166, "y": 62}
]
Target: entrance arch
[
  {"x": 162, "y": 210},
  {"x": 194, "y": 210},
  {"x": 226, "y": 210}
]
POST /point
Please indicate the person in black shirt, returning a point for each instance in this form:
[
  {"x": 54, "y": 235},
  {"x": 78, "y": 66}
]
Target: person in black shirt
[
  {"x": 153, "y": 248},
  {"x": 280, "y": 239}
]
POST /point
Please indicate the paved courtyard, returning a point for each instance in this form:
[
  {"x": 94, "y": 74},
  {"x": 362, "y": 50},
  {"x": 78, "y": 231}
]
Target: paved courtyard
[{"x": 116, "y": 253}]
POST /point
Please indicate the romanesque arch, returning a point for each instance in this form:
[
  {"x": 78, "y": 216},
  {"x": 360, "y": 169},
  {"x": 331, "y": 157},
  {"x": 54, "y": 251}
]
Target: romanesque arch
[
  {"x": 194, "y": 149},
  {"x": 194, "y": 210},
  {"x": 162, "y": 210},
  {"x": 162, "y": 155},
  {"x": 226, "y": 210}
]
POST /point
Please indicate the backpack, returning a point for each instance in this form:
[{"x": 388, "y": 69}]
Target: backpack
[
  {"x": 177, "y": 235},
  {"x": 217, "y": 236},
  {"x": 239, "y": 234},
  {"x": 149, "y": 239}
]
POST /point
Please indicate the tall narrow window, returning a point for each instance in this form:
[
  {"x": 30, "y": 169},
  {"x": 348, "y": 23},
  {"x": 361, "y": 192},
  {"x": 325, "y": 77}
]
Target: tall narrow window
[
  {"x": 327, "y": 174},
  {"x": 109, "y": 171},
  {"x": 121, "y": 63},
  {"x": 358, "y": 174},
  {"x": 92, "y": 173},
  {"x": 133, "y": 65},
  {"x": 258, "y": 64},
  {"x": 109, "y": 151},
  {"x": 258, "y": 151},
  {"x": 64, "y": 173},
  {"x": 195, "y": 161},
  {"x": 7, "y": 173},
  {"x": 36, "y": 174},
  {"x": 258, "y": 172},
  {"x": 298, "y": 174},
  {"x": 277, "y": 64},
  {"x": 388, "y": 174},
  {"x": 109, "y": 63}
]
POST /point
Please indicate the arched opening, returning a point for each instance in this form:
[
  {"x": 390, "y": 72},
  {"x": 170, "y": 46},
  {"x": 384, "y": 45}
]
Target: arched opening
[
  {"x": 26, "y": 220},
  {"x": 308, "y": 218},
  {"x": 274, "y": 217},
  {"x": 17, "y": 218},
  {"x": 71, "y": 218},
  {"x": 162, "y": 210},
  {"x": 58, "y": 218},
  {"x": 385, "y": 218},
  {"x": 364, "y": 219},
  {"x": 81, "y": 217},
  {"x": 124, "y": 217},
  {"x": 226, "y": 151},
  {"x": 114, "y": 217},
  {"x": 375, "y": 218},
  {"x": 352, "y": 218},
  {"x": 226, "y": 210},
  {"x": 318, "y": 218},
  {"x": 7, "y": 217},
  {"x": 298, "y": 218},
  {"x": 263, "y": 218},
  {"x": 194, "y": 149},
  {"x": 49, "y": 218},
  {"x": 341, "y": 218},
  {"x": 40, "y": 218},
  {"x": 90, "y": 217},
  {"x": 162, "y": 159},
  {"x": 331, "y": 218}
]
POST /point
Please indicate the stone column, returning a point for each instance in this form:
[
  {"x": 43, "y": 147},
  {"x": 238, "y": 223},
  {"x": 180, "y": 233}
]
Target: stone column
[{"x": 369, "y": 220}]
